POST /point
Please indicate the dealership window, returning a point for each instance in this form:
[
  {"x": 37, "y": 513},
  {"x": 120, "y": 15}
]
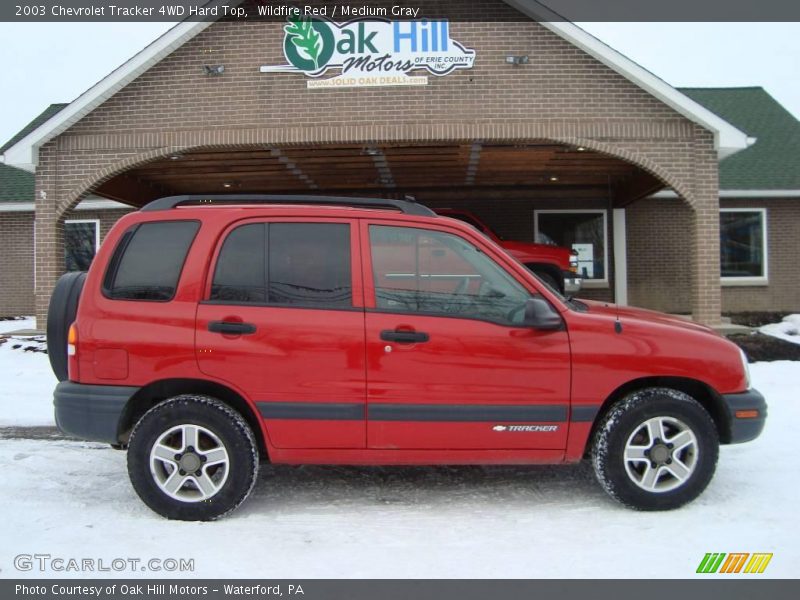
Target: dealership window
[
  {"x": 585, "y": 231},
  {"x": 81, "y": 241},
  {"x": 743, "y": 245}
]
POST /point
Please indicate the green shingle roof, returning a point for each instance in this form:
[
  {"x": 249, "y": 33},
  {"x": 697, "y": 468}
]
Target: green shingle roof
[
  {"x": 773, "y": 162},
  {"x": 44, "y": 116},
  {"x": 17, "y": 185}
]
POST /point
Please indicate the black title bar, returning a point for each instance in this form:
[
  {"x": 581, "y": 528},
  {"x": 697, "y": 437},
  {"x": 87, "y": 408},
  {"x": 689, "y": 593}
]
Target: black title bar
[{"x": 474, "y": 10}]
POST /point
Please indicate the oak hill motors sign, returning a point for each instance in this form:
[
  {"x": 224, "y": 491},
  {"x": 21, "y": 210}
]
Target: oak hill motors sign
[{"x": 370, "y": 53}]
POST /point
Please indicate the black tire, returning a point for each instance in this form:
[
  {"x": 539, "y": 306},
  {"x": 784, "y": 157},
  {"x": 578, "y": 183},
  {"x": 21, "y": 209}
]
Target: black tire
[
  {"x": 61, "y": 314},
  {"x": 231, "y": 431},
  {"x": 626, "y": 420},
  {"x": 547, "y": 277}
]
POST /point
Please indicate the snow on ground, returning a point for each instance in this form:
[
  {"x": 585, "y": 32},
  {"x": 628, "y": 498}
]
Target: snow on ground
[
  {"x": 788, "y": 329},
  {"x": 71, "y": 499},
  {"x": 17, "y": 323},
  {"x": 26, "y": 380}
]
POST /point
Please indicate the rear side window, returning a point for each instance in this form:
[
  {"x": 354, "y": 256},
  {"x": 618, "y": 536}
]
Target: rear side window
[
  {"x": 148, "y": 261},
  {"x": 285, "y": 264}
]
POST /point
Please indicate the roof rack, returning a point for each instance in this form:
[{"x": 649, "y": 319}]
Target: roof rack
[{"x": 408, "y": 207}]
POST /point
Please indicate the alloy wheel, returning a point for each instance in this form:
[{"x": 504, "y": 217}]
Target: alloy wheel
[
  {"x": 661, "y": 454},
  {"x": 189, "y": 463}
]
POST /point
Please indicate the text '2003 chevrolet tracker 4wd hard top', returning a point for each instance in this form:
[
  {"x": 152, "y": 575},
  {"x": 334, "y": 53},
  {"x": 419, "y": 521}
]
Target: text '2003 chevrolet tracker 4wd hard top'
[{"x": 214, "y": 332}]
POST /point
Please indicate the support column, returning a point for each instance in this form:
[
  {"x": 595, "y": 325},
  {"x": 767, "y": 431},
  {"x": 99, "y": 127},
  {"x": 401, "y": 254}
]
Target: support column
[
  {"x": 706, "y": 292},
  {"x": 48, "y": 236},
  {"x": 620, "y": 257}
]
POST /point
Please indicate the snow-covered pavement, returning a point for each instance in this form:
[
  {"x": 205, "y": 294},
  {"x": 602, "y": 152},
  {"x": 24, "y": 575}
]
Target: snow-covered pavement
[
  {"x": 71, "y": 499},
  {"x": 26, "y": 380},
  {"x": 787, "y": 330}
]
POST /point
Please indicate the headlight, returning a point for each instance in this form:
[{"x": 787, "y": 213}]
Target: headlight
[
  {"x": 746, "y": 367},
  {"x": 573, "y": 262}
]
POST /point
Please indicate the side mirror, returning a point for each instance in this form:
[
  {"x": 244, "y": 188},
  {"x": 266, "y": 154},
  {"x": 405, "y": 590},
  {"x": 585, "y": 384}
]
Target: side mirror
[{"x": 540, "y": 315}]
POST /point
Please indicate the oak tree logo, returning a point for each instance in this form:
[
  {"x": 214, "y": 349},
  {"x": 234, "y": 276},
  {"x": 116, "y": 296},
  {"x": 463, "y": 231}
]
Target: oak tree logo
[{"x": 309, "y": 43}]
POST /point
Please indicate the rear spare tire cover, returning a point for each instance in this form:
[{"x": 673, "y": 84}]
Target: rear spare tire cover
[{"x": 60, "y": 315}]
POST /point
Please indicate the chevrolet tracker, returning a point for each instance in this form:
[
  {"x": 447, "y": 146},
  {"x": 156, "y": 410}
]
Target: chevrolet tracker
[{"x": 215, "y": 332}]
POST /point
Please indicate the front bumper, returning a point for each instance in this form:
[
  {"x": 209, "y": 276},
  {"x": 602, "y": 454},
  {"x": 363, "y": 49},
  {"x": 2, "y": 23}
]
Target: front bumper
[
  {"x": 91, "y": 412},
  {"x": 572, "y": 282},
  {"x": 744, "y": 429}
]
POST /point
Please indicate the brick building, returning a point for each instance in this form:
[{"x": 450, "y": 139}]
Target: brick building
[{"x": 542, "y": 130}]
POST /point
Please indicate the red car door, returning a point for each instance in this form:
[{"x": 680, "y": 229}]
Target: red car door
[
  {"x": 449, "y": 365},
  {"x": 283, "y": 322}
]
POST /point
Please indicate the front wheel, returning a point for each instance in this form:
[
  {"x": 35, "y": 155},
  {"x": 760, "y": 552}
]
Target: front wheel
[
  {"x": 656, "y": 449},
  {"x": 192, "y": 458}
]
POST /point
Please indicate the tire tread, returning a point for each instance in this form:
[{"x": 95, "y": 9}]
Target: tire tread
[
  {"x": 193, "y": 400},
  {"x": 600, "y": 455}
]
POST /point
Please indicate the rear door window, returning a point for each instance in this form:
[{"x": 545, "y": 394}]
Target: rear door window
[
  {"x": 241, "y": 273},
  {"x": 285, "y": 264},
  {"x": 148, "y": 261}
]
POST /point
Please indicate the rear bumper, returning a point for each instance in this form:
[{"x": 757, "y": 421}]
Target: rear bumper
[
  {"x": 91, "y": 412},
  {"x": 572, "y": 283},
  {"x": 745, "y": 429}
]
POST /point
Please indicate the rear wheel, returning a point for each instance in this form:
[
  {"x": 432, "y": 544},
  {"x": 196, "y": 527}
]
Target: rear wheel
[
  {"x": 192, "y": 458},
  {"x": 656, "y": 449}
]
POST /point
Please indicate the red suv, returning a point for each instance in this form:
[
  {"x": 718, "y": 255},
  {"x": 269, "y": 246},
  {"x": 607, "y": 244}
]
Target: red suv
[
  {"x": 556, "y": 266},
  {"x": 217, "y": 331}
]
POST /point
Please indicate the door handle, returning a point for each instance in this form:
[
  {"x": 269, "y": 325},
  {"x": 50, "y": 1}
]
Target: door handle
[
  {"x": 404, "y": 337},
  {"x": 231, "y": 328}
]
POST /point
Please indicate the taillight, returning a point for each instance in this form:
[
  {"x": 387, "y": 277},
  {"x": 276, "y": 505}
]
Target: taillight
[
  {"x": 72, "y": 340},
  {"x": 72, "y": 353}
]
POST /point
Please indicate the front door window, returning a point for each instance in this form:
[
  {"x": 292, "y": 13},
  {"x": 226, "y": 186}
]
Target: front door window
[{"x": 435, "y": 273}]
